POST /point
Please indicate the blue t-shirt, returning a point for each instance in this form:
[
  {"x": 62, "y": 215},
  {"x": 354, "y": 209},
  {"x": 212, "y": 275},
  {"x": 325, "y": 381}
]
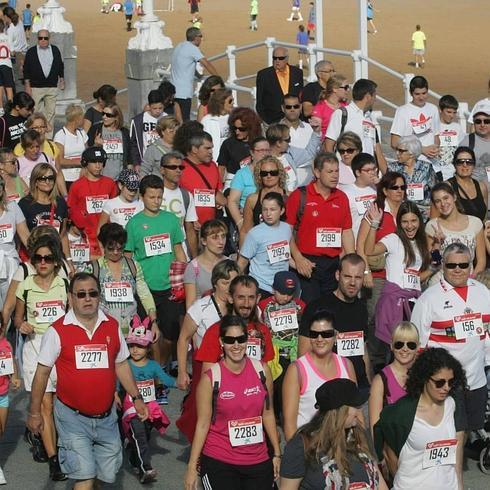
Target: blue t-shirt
[
  {"x": 184, "y": 59},
  {"x": 255, "y": 250},
  {"x": 244, "y": 182},
  {"x": 128, "y": 7},
  {"x": 27, "y": 17},
  {"x": 302, "y": 38},
  {"x": 13, "y": 4},
  {"x": 151, "y": 370}
]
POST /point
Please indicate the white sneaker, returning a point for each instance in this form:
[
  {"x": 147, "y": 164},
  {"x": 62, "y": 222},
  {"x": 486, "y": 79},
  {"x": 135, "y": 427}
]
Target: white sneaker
[{"x": 3, "y": 481}]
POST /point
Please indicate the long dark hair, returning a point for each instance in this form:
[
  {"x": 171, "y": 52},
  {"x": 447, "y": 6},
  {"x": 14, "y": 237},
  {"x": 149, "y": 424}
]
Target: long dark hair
[
  {"x": 420, "y": 240},
  {"x": 207, "y": 86},
  {"x": 388, "y": 179}
]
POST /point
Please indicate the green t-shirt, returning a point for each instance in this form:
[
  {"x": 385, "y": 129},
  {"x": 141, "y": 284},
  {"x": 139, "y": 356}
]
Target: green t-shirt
[{"x": 151, "y": 239}]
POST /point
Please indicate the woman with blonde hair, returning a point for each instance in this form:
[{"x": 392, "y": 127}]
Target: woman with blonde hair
[{"x": 15, "y": 187}]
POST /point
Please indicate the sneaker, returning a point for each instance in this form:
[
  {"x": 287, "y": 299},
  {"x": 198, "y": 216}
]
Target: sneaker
[
  {"x": 148, "y": 476},
  {"x": 3, "y": 481},
  {"x": 37, "y": 447},
  {"x": 55, "y": 472}
]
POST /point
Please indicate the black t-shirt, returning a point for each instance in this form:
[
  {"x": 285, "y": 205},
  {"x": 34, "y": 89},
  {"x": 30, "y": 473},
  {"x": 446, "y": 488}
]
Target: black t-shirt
[
  {"x": 231, "y": 153},
  {"x": 40, "y": 214},
  {"x": 311, "y": 92},
  {"x": 11, "y": 129},
  {"x": 349, "y": 317},
  {"x": 93, "y": 115}
]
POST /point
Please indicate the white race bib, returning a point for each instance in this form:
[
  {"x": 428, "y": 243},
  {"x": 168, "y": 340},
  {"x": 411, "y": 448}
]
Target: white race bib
[
  {"x": 278, "y": 251},
  {"x": 91, "y": 356},
  {"x": 285, "y": 319},
  {"x": 439, "y": 453},
  {"x": 6, "y": 233},
  {"x": 245, "y": 431},
  {"x": 158, "y": 245},
  {"x": 80, "y": 252},
  {"x": 254, "y": 350},
  {"x": 204, "y": 198},
  {"x": 6, "y": 364},
  {"x": 49, "y": 311},
  {"x": 147, "y": 390},
  {"x": 118, "y": 292},
  {"x": 422, "y": 125},
  {"x": 468, "y": 325},
  {"x": 449, "y": 137},
  {"x": 411, "y": 279},
  {"x": 113, "y": 145},
  {"x": 368, "y": 130},
  {"x": 329, "y": 237},
  {"x": 363, "y": 203},
  {"x": 415, "y": 192},
  {"x": 350, "y": 344},
  {"x": 123, "y": 215},
  {"x": 95, "y": 203}
]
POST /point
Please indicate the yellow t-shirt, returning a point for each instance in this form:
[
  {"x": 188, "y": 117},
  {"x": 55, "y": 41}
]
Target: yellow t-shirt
[
  {"x": 418, "y": 40},
  {"x": 49, "y": 147}
]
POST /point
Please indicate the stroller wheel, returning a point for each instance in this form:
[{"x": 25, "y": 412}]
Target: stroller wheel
[{"x": 485, "y": 459}]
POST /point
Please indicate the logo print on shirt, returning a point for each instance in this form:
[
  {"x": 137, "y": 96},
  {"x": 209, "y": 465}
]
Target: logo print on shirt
[
  {"x": 421, "y": 120},
  {"x": 227, "y": 395},
  {"x": 252, "y": 391},
  {"x": 447, "y": 305}
]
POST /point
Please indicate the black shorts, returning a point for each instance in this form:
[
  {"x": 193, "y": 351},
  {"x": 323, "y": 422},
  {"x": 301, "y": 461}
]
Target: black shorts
[
  {"x": 6, "y": 77},
  {"x": 129, "y": 17},
  {"x": 169, "y": 314}
]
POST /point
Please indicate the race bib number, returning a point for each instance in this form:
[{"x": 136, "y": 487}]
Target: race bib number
[
  {"x": 448, "y": 138},
  {"x": 49, "y": 311},
  {"x": 411, "y": 279},
  {"x": 279, "y": 251},
  {"x": 245, "y": 431},
  {"x": 350, "y": 344},
  {"x": 363, "y": 203},
  {"x": 123, "y": 215},
  {"x": 285, "y": 319},
  {"x": 91, "y": 356},
  {"x": 6, "y": 233},
  {"x": 6, "y": 364},
  {"x": 359, "y": 485},
  {"x": 80, "y": 252},
  {"x": 95, "y": 203},
  {"x": 415, "y": 192},
  {"x": 368, "y": 130},
  {"x": 467, "y": 326},
  {"x": 254, "y": 348},
  {"x": 158, "y": 245},
  {"x": 439, "y": 453},
  {"x": 204, "y": 198},
  {"x": 421, "y": 125},
  {"x": 113, "y": 146},
  {"x": 147, "y": 390},
  {"x": 328, "y": 237},
  {"x": 13, "y": 197},
  {"x": 118, "y": 292}
]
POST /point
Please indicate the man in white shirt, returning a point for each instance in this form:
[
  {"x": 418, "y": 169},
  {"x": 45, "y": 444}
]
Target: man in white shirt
[
  {"x": 299, "y": 131},
  {"x": 419, "y": 118}
]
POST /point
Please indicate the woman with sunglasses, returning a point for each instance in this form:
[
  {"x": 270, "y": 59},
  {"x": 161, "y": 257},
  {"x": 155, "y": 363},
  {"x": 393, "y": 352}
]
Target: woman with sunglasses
[
  {"x": 472, "y": 194},
  {"x": 388, "y": 385},
  {"x": 452, "y": 226},
  {"x": 269, "y": 176},
  {"x": 209, "y": 86},
  {"x": 422, "y": 435},
  {"x": 15, "y": 187},
  {"x": 104, "y": 95},
  {"x": 42, "y": 299},
  {"x": 111, "y": 134},
  {"x": 305, "y": 375},
  {"x": 348, "y": 146},
  {"x": 229, "y": 442}
]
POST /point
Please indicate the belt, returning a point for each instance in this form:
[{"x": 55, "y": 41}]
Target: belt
[{"x": 102, "y": 415}]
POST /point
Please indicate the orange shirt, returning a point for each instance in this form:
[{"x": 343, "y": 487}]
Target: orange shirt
[{"x": 283, "y": 77}]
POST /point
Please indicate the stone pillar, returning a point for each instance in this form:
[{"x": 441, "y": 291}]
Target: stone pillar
[{"x": 148, "y": 53}]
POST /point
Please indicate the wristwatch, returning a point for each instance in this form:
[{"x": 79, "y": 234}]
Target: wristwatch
[{"x": 137, "y": 397}]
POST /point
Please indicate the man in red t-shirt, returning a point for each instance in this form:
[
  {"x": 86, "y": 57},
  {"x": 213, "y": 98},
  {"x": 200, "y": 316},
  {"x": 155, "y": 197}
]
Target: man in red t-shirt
[
  {"x": 201, "y": 177},
  {"x": 320, "y": 215}
]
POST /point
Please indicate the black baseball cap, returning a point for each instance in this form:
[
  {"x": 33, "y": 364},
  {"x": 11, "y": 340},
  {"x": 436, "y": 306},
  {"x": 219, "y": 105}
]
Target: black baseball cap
[
  {"x": 337, "y": 393},
  {"x": 285, "y": 282},
  {"x": 94, "y": 154}
]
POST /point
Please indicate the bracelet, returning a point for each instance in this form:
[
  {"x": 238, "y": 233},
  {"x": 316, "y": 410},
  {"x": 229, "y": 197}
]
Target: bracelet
[
  {"x": 374, "y": 225},
  {"x": 277, "y": 456},
  {"x": 35, "y": 415}
]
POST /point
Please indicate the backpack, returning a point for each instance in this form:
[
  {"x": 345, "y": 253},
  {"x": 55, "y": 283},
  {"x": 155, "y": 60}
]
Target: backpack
[
  {"x": 471, "y": 141},
  {"x": 216, "y": 374},
  {"x": 185, "y": 197},
  {"x": 343, "y": 120}
]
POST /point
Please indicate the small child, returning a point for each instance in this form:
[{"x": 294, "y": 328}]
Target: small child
[
  {"x": 27, "y": 18},
  {"x": 6, "y": 73},
  {"x": 254, "y": 12},
  {"x": 145, "y": 371},
  {"x": 295, "y": 11},
  {"x": 302, "y": 38}
]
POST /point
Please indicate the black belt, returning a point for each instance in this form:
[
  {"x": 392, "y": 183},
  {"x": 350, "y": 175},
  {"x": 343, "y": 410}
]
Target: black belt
[{"x": 97, "y": 416}]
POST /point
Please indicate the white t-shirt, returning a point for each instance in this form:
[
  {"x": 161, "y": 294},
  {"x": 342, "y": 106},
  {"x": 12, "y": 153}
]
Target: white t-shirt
[
  {"x": 173, "y": 202},
  {"x": 204, "y": 314},
  {"x": 411, "y": 473},
  {"x": 300, "y": 136},
  {"x": 5, "y": 51},
  {"x": 359, "y": 199},
  {"x": 451, "y": 136},
  {"x": 73, "y": 147},
  {"x": 121, "y": 212},
  {"x": 9, "y": 219},
  {"x": 149, "y": 131},
  {"x": 395, "y": 258}
]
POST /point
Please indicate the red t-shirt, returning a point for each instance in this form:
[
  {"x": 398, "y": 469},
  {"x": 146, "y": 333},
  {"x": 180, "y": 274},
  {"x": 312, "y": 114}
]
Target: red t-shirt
[
  {"x": 266, "y": 301},
  {"x": 322, "y": 220},
  {"x": 193, "y": 182},
  {"x": 5, "y": 352},
  {"x": 210, "y": 349}
]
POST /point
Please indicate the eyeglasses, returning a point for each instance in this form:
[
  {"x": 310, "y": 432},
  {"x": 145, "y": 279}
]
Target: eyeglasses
[
  {"x": 439, "y": 383},
  {"x": 83, "y": 294},
  {"x": 350, "y": 151},
  {"x": 370, "y": 170},
  {"x": 326, "y": 71},
  {"x": 108, "y": 114},
  {"x": 38, "y": 259},
  {"x": 286, "y": 140},
  {"x": 46, "y": 178},
  {"x": 401, "y": 150},
  {"x": 345, "y": 87},
  {"x": 399, "y": 345},
  {"x": 174, "y": 167},
  {"x": 38, "y": 128},
  {"x": 293, "y": 106},
  {"x": 230, "y": 340},
  {"x": 272, "y": 173},
  {"x": 279, "y": 58},
  {"x": 465, "y": 161},
  {"x": 324, "y": 334},
  {"x": 481, "y": 121},
  {"x": 453, "y": 265},
  {"x": 43, "y": 38},
  {"x": 242, "y": 129},
  {"x": 397, "y": 187}
]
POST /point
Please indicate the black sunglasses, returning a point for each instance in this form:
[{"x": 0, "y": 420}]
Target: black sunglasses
[
  {"x": 324, "y": 334},
  {"x": 46, "y": 178},
  {"x": 272, "y": 173},
  {"x": 242, "y": 129},
  {"x": 481, "y": 121},
  {"x": 108, "y": 114},
  {"x": 453, "y": 265},
  {"x": 37, "y": 259},
  {"x": 401, "y": 150},
  {"x": 439, "y": 383},
  {"x": 398, "y": 187},
  {"x": 279, "y": 58},
  {"x": 346, "y": 150},
  {"x": 287, "y": 140},
  {"x": 84, "y": 294},
  {"x": 43, "y": 38},
  {"x": 174, "y": 167},
  {"x": 292, "y": 106},
  {"x": 462, "y": 161},
  {"x": 399, "y": 345},
  {"x": 230, "y": 340}
]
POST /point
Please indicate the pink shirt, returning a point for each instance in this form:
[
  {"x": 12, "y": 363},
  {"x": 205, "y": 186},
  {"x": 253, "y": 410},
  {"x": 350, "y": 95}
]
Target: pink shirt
[
  {"x": 241, "y": 396},
  {"x": 5, "y": 348},
  {"x": 26, "y": 166},
  {"x": 324, "y": 112},
  {"x": 395, "y": 390}
]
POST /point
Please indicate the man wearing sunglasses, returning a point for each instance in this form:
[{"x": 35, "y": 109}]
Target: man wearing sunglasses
[
  {"x": 273, "y": 83},
  {"x": 299, "y": 131},
  {"x": 89, "y": 352},
  {"x": 44, "y": 75},
  {"x": 454, "y": 314},
  {"x": 324, "y": 69}
]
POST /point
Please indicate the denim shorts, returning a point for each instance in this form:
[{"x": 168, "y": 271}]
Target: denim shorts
[
  {"x": 87, "y": 448},
  {"x": 4, "y": 401}
]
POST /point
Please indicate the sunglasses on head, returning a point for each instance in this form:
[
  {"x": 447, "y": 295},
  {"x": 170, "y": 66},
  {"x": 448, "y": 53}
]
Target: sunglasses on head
[
  {"x": 481, "y": 121},
  {"x": 272, "y": 173},
  {"x": 399, "y": 345},
  {"x": 38, "y": 259},
  {"x": 350, "y": 151},
  {"x": 83, "y": 294},
  {"x": 453, "y": 265},
  {"x": 292, "y": 106},
  {"x": 46, "y": 178},
  {"x": 230, "y": 340},
  {"x": 279, "y": 58},
  {"x": 108, "y": 114},
  {"x": 398, "y": 187},
  {"x": 463, "y": 161},
  {"x": 324, "y": 334},
  {"x": 174, "y": 167},
  {"x": 242, "y": 129},
  {"x": 439, "y": 383}
]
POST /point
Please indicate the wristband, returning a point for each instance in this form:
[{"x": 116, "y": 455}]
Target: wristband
[
  {"x": 277, "y": 456},
  {"x": 35, "y": 415},
  {"x": 139, "y": 396}
]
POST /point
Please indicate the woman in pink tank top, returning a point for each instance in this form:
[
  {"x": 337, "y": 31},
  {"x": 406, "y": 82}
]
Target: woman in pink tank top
[
  {"x": 309, "y": 372},
  {"x": 234, "y": 414},
  {"x": 389, "y": 385}
]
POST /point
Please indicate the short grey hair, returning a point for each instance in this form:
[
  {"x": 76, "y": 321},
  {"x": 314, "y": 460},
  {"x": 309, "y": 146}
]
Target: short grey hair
[
  {"x": 456, "y": 248},
  {"x": 172, "y": 155},
  {"x": 322, "y": 64},
  {"x": 412, "y": 144},
  {"x": 192, "y": 33}
]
